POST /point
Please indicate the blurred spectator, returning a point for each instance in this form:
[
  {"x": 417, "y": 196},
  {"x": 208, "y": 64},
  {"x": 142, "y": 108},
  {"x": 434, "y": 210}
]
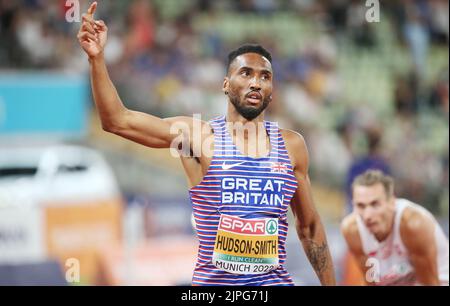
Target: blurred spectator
[
  {"x": 373, "y": 159},
  {"x": 439, "y": 94},
  {"x": 12, "y": 55},
  {"x": 338, "y": 13},
  {"x": 360, "y": 30},
  {"x": 141, "y": 28},
  {"x": 406, "y": 95},
  {"x": 417, "y": 34},
  {"x": 439, "y": 21}
]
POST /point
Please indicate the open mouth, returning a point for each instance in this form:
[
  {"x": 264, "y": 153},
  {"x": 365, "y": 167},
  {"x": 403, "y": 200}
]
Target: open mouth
[{"x": 254, "y": 97}]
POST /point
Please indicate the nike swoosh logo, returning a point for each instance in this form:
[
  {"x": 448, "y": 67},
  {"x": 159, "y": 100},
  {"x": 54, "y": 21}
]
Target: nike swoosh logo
[{"x": 228, "y": 167}]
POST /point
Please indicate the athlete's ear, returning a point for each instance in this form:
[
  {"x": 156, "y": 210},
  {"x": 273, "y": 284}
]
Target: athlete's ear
[{"x": 226, "y": 83}]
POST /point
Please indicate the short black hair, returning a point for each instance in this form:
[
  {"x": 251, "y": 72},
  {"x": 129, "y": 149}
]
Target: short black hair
[{"x": 248, "y": 48}]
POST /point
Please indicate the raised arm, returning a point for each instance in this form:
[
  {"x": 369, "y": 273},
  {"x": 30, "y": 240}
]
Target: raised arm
[
  {"x": 307, "y": 221},
  {"x": 115, "y": 117}
]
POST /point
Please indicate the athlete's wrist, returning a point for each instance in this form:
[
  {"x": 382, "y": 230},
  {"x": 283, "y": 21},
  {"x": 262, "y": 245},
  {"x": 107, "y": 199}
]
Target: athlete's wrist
[{"x": 96, "y": 58}]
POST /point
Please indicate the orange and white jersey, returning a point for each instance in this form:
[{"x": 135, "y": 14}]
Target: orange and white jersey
[{"x": 392, "y": 265}]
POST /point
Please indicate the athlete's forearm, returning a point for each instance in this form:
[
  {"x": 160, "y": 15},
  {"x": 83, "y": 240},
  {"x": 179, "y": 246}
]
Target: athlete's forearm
[
  {"x": 426, "y": 270},
  {"x": 316, "y": 248},
  {"x": 107, "y": 100}
]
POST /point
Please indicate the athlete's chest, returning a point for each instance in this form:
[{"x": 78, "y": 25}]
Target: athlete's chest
[
  {"x": 393, "y": 263},
  {"x": 248, "y": 184}
]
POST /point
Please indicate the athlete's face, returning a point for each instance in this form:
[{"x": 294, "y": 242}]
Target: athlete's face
[
  {"x": 249, "y": 84},
  {"x": 375, "y": 207}
]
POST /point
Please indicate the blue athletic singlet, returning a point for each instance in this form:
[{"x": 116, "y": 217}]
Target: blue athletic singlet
[{"x": 240, "y": 209}]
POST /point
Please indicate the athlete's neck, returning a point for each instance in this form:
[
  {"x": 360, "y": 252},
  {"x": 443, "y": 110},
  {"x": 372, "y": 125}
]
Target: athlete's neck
[{"x": 238, "y": 125}]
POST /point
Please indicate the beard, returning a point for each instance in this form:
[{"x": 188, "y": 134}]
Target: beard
[{"x": 248, "y": 112}]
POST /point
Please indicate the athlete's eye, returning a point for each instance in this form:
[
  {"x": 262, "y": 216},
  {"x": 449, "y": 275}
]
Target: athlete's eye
[{"x": 245, "y": 72}]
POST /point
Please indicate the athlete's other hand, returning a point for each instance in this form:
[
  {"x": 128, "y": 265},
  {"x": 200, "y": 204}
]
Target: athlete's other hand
[{"x": 92, "y": 34}]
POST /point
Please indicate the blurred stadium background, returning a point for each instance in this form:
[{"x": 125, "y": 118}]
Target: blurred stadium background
[{"x": 71, "y": 196}]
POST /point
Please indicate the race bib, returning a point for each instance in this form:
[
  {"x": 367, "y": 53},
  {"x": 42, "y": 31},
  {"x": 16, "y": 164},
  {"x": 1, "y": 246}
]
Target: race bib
[{"x": 246, "y": 246}]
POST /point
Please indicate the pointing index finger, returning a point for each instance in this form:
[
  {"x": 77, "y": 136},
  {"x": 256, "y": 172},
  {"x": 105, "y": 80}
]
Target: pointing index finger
[{"x": 92, "y": 9}]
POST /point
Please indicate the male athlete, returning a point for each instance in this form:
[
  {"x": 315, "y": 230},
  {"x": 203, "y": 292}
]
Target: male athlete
[
  {"x": 242, "y": 181},
  {"x": 394, "y": 241}
]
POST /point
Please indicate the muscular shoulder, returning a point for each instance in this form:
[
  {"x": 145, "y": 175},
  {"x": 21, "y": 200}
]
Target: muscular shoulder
[
  {"x": 296, "y": 147},
  {"x": 349, "y": 229},
  {"x": 416, "y": 228},
  {"x": 293, "y": 139}
]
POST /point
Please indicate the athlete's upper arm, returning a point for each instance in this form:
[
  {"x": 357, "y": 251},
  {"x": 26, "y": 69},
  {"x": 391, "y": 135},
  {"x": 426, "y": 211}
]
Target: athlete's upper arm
[
  {"x": 349, "y": 230},
  {"x": 302, "y": 203},
  {"x": 150, "y": 130},
  {"x": 417, "y": 232}
]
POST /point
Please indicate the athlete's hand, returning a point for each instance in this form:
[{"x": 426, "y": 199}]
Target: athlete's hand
[{"x": 93, "y": 33}]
